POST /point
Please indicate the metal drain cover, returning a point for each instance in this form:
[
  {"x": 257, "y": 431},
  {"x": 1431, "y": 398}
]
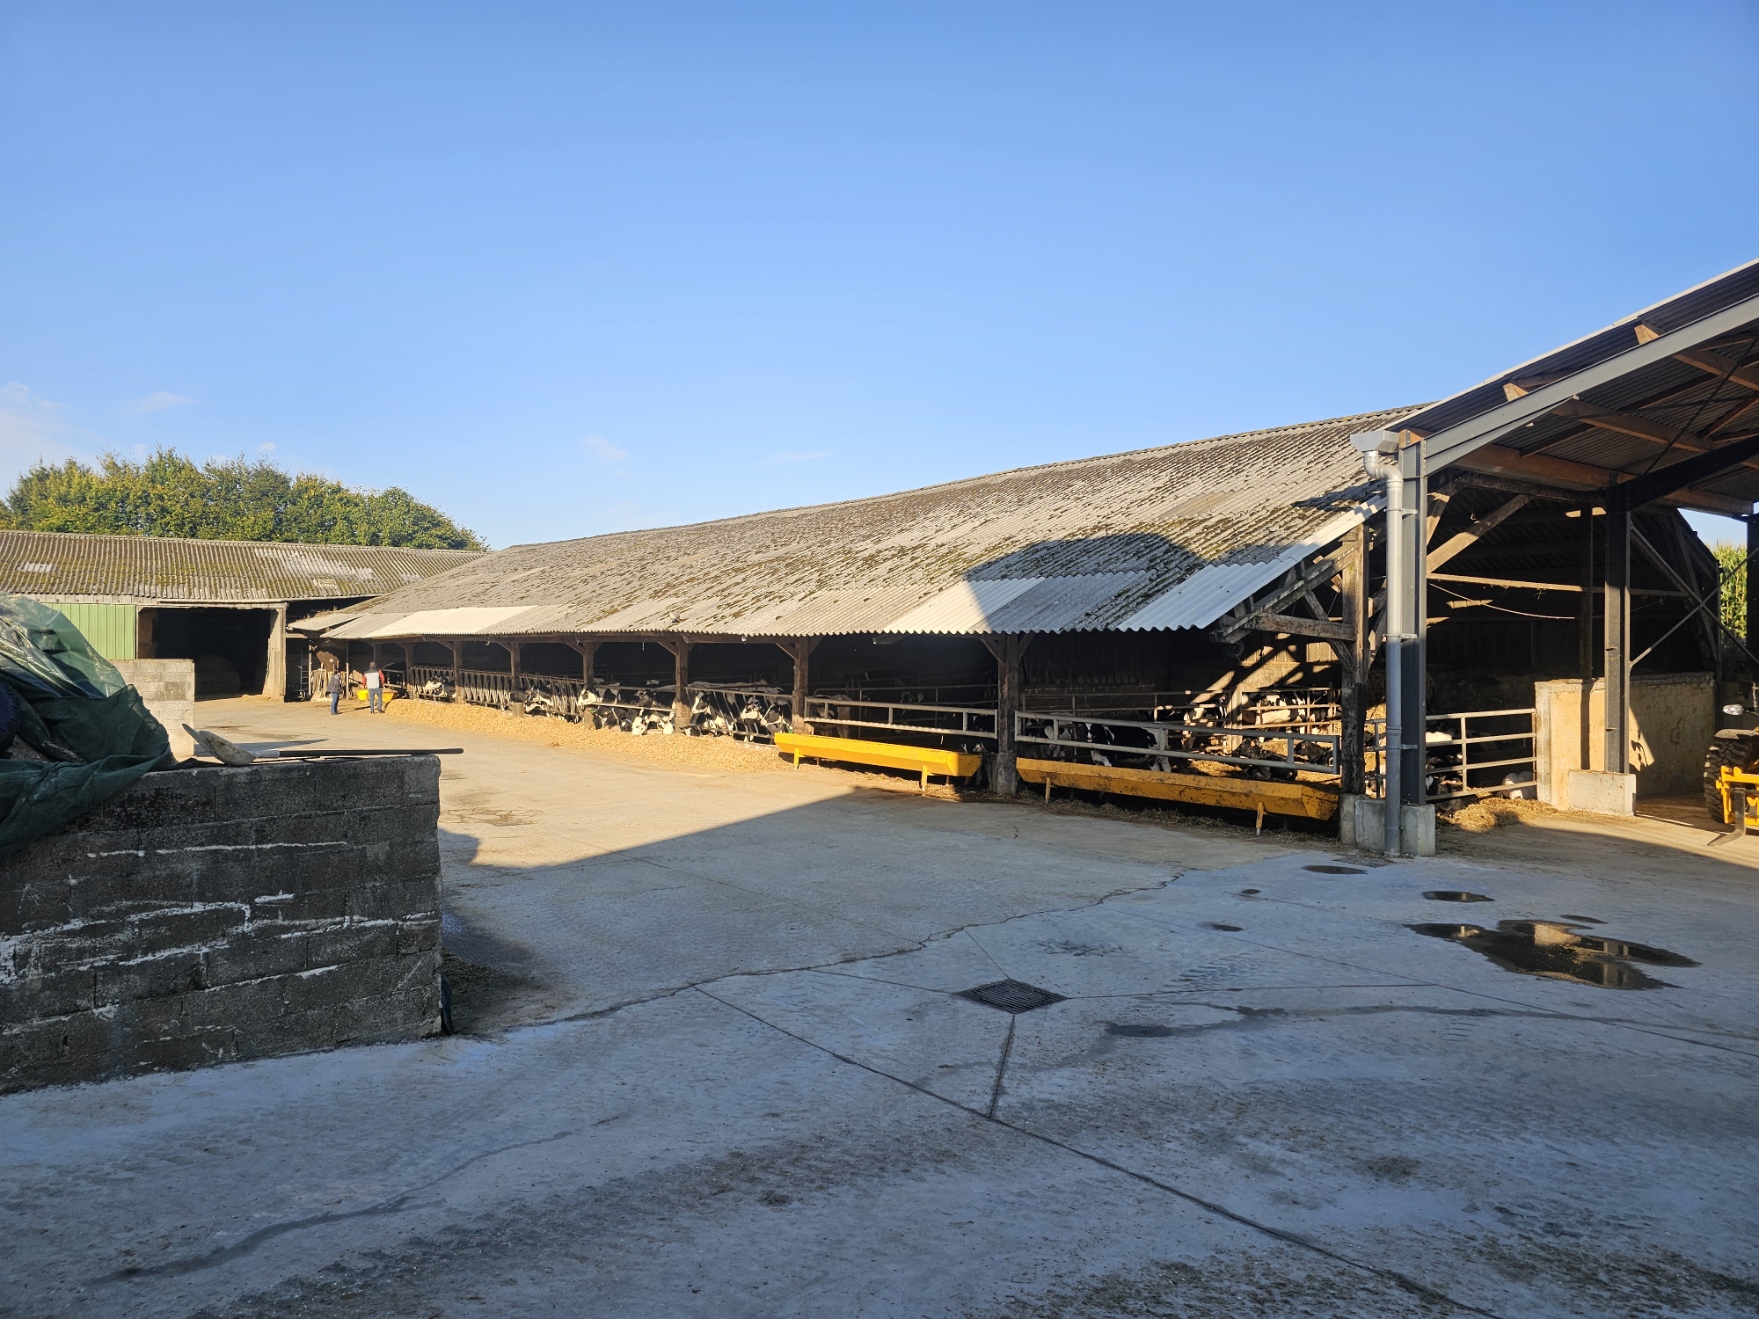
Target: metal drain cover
[{"x": 1014, "y": 996}]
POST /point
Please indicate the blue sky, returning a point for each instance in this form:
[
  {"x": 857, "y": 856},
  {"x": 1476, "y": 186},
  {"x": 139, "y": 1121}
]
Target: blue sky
[{"x": 563, "y": 269}]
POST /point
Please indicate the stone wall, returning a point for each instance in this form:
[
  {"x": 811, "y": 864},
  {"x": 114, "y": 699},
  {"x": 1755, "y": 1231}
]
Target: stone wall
[
  {"x": 167, "y": 687},
  {"x": 212, "y": 914}
]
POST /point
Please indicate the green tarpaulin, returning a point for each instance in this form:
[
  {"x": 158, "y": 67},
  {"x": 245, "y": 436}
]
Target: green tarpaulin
[{"x": 61, "y": 698}]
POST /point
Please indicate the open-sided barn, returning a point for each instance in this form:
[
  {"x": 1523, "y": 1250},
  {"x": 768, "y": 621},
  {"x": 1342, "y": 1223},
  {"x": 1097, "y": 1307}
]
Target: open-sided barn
[{"x": 1223, "y": 605}]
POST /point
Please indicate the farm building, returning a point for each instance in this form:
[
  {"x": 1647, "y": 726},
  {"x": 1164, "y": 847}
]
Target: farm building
[
  {"x": 1543, "y": 615},
  {"x": 224, "y": 604}
]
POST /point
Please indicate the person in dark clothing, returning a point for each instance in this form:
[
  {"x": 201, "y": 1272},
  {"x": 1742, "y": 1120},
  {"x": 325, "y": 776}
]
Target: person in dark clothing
[{"x": 335, "y": 689}]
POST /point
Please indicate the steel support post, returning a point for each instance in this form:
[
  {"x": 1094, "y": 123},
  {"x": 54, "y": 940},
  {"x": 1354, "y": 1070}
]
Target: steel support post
[
  {"x": 1616, "y": 642},
  {"x": 1392, "y": 755},
  {"x": 1353, "y": 661},
  {"x": 1585, "y": 639},
  {"x": 1397, "y": 458},
  {"x": 1414, "y": 654},
  {"x": 1747, "y": 576}
]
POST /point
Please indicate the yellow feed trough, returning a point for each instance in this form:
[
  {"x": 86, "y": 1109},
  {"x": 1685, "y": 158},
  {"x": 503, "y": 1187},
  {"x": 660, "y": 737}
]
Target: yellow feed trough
[
  {"x": 888, "y": 755},
  {"x": 1304, "y": 800}
]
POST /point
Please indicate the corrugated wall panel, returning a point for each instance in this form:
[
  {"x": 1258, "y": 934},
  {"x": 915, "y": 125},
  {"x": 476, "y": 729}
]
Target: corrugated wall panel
[{"x": 110, "y": 628}]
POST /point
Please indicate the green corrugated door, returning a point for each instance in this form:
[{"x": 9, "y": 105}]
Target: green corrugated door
[{"x": 110, "y": 628}]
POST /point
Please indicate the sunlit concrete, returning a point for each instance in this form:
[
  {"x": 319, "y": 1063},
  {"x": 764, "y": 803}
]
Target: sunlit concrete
[{"x": 716, "y": 1063}]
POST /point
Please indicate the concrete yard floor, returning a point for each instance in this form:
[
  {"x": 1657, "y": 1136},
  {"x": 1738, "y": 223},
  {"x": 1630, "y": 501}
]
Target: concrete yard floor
[{"x": 714, "y": 1062}]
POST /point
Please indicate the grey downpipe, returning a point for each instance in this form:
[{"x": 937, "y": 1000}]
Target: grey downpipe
[{"x": 1380, "y": 450}]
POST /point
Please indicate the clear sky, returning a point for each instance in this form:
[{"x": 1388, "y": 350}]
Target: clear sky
[{"x": 563, "y": 269}]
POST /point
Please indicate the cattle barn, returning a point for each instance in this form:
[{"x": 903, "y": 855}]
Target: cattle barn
[
  {"x": 1213, "y": 621},
  {"x": 224, "y": 604}
]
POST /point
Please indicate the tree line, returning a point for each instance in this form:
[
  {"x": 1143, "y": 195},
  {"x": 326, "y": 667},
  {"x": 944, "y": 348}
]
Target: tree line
[{"x": 168, "y": 494}]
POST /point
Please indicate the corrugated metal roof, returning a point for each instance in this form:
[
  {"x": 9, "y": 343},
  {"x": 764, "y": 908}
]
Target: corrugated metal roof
[
  {"x": 1100, "y": 543},
  {"x": 1671, "y": 313},
  {"x": 63, "y": 565}
]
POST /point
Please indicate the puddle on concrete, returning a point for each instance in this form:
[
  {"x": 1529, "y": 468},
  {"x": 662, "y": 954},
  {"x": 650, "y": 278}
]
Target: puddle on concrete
[
  {"x": 1335, "y": 870},
  {"x": 1135, "y": 1031},
  {"x": 1249, "y": 892},
  {"x": 1554, "y": 950},
  {"x": 1454, "y": 895},
  {"x": 1217, "y": 925}
]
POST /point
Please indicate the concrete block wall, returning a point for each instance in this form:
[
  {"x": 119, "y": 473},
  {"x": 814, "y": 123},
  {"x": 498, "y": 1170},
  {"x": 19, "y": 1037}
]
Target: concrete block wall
[
  {"x": 1673, "y": 717},
  {"x": 212, "y": 914},
  {"x": 167, "y": 687}
]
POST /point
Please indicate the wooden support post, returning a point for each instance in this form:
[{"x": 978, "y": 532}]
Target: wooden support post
[
  {"x": 512, "y": 648},
  {"x": 800, "y": 651},
  {"x": 456, "y": 646},
  {"x": 1616, "y": 641},
  {"x": 1353, "y": 661},
  {"x": 275, "y": 669},
  {"x": 586, "y": 650},
  {"x": 681, "y": 677},
  {"x": 1008, "y": 650}
]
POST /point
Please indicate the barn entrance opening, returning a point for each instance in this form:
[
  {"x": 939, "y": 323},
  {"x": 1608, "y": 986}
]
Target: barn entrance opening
[{"x": 230, "y": 647}]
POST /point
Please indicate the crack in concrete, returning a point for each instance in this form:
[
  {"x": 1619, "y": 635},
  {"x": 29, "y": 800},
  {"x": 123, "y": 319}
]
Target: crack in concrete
[
  {"x": 995, "y": 1094},
  {"x": 244, "y": 1245},
  {"x": 1398, "y": 1279},
  {"x": 913, "y": 946}
]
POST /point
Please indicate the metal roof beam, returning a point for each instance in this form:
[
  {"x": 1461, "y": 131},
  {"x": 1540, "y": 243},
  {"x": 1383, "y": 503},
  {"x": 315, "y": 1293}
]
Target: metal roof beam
[
  {"x": 1459, "y": 440},
  {"x": 1646, "y": 489}
]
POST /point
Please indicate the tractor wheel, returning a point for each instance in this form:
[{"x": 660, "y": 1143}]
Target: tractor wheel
[{"x": 1736, "y": 752}]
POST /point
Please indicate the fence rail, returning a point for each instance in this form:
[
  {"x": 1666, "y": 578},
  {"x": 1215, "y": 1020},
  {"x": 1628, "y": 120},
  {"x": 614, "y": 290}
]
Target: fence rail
[
  {"x": 1301, "y": 750},
  {"x": 845, "y": 712},
  {"x": 1450, "y": 762}
]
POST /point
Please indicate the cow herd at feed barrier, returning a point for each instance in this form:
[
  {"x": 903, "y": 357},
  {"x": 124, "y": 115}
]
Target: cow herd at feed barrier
[{"x": 754, "y": 712}]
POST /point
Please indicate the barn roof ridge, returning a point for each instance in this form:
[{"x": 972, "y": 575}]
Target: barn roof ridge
[
  {"x": 1169, "y": 536},
  {"x": 1376, "y": 415},
  {"x": 71, "y": 565}
]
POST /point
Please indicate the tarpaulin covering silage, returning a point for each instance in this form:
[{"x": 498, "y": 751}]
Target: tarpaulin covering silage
[{"x": 59, "y": 696}]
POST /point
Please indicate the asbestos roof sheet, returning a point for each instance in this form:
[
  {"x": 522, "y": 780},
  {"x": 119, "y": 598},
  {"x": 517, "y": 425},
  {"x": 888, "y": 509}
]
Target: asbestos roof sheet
[
  {"x": 1156, "y": 538},
  {"x": 63, "y": 565}
]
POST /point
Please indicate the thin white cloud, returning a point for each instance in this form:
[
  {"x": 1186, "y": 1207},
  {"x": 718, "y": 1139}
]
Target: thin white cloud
[
  {"x": 789, "y": 456},
  {"x": 599, "y": 447},
  {"x": 267, "y": 446},
  {"x": 33, "y": 429},
  {"x": 158, "y": 401}
]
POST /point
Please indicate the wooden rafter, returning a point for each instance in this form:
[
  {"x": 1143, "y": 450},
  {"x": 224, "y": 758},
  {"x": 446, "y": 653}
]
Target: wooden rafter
[
  {"x": 1726, "y": 368},
  {"x": 1498, "y": 460},
  {"x": 1470, "y": 536}
]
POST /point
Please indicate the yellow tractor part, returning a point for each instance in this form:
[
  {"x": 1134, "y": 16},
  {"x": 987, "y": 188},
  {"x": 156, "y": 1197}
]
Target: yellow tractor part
[{"x": 1740, "y": 801}]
